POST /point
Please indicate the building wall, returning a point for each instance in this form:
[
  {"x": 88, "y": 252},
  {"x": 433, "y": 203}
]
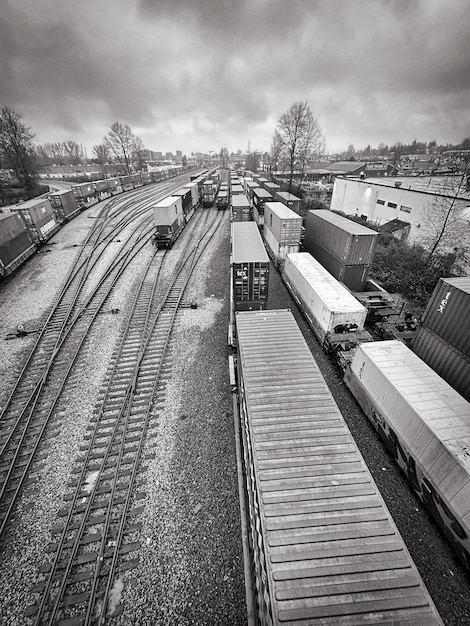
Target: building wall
[{"x": 381, "y": 204}]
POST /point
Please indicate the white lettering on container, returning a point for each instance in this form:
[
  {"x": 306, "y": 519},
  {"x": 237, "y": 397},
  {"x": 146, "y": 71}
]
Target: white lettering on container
[{"x": 444, "y": 302}]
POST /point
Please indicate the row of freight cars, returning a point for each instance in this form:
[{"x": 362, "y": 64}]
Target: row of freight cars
[
  {"x": 171, "y": 214},
  {"x": 422, "y": 415},
  {"x": 26, "y": 226}
]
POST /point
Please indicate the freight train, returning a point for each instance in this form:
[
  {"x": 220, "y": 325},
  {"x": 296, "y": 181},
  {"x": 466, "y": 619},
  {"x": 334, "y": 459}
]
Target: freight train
[
  {"x": 37, "y": 220},
  {"x": 423, "y": 421}
]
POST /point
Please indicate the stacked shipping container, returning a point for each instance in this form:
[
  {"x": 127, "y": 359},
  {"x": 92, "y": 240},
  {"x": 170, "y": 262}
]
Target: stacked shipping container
[
  {"x": 345, "y": 248},
  {"x": 443, "y": 339},
  {"x": 282, "y": 229}
]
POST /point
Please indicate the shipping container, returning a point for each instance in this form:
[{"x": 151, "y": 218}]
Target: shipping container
[
  {"x": 114, "y": 186},
  {"x": 325, "y": 549},
  {"x": 169, "y": 220},
  {"x": 240, "y": 209},
  {"x": 39, "y": 218},
  {"x": 146, "y": 177},
  {"x": 250, "y": 187},
  {"x": 238, "y": 190},
  {"x": 448, "y": 312},
  {"x": 137, "y": 180},
  {"x": 353, "y": 276},
  {"x": 272, "y": 188},
  {"x": 194, "y": 189},
  {"x": 425, "y": 424},
  {"x": 282, "y": 228},
  {"x": 186, "y": 201},
  {"x": 260, "y": 197},
  {"x": 287, "y": 198},
  {"x": 85, "y": 194},
  {"x": 222, "y": 200},
  {"x": 63, "y": 204},
  {"x": 328, "y": 305},
  {"x": 349, "y": 242},
  {"x": 451, "y": 364},
  {"x": 16, "y": 244},
  {"x": 250, "y": 268},
  {"x": 126, "y": 182}
]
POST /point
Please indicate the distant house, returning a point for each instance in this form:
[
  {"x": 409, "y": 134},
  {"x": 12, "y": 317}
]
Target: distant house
[{"x": 356, "y": 169}]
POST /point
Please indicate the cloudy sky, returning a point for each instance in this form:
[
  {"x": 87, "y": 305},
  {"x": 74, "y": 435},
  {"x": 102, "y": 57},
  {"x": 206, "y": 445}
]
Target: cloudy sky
[{"x": 202, "y": 74}]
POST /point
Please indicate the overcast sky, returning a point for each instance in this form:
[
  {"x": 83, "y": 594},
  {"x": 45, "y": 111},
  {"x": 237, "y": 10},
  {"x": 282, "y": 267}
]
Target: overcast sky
[{"x": 202, "y": 74}]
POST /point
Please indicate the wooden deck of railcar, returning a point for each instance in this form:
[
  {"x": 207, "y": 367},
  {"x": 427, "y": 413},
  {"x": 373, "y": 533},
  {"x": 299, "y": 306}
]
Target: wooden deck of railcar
[{"x": 325, "y": 547}]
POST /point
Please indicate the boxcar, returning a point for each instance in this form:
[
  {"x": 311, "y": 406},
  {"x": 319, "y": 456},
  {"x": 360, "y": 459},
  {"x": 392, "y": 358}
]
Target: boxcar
[
  {"x": 324, "y": 547},
  {"x": 425, "y": 425},
  {"x": 16, "y": 244},
  {"x": 169, "y": 221}
]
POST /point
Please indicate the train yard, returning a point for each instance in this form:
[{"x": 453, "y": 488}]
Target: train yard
[{"x": 119, "y": 476}]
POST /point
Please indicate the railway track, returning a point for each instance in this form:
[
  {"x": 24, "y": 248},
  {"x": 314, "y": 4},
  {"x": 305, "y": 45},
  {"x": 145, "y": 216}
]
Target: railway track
[
  {"x": 95, "y": 542},
  {"x": 28, "y": 415}
]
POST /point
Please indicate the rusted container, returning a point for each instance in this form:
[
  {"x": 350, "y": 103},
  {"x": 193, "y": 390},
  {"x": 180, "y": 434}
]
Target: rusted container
[
  {"x": 451, "y": 364},
  {"x": 425, "y": 424},
  {"x": 250, "y": 268},
  {"x": 282, "y": 229},
  {"x": 448, "y": 312},
  {"x": 63, "y": 204},
  {"x": 349, "y": 242},
  {"x": 39, "y": 218}
]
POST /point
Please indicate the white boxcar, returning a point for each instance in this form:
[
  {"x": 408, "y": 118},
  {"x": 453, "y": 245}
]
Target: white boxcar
[
  {"x": 328, "y": 305},
  {"x": 282, "y": 229},
  {"x": 425, "y": 424}
]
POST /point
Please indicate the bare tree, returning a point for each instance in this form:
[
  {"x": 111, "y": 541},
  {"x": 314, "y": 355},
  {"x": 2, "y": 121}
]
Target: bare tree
[
  {"x": 298, "y": 139},
  {"x": 73, "y": 152},
  {"x": 120, "y": 142},
  {"x": 138, "y": 156},
  {"x": 16, "y": 146},
  {"x": 223, "y": 154},
  {"x": 443, "y": 217},
  {"x": 101, "y": 154},
  {"x": 276, "y": 150}
]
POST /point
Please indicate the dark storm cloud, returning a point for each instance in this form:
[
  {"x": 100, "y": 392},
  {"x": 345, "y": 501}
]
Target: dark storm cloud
[{"x": 205, "y": 73}]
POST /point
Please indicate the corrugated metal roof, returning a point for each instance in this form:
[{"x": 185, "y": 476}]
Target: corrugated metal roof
[
  {"x": 287, "y": 195},
  {"x": 343, "y": 222},
  {"x": 330, "y": 550},
  {"x": 247, "y": 245},
  {"x": 461, "y": 282},
  {"x": 282, "y": 211}
]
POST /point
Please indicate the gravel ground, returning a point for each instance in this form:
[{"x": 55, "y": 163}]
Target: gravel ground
[
  {"x": 445, "y": 578},
  {"x": 191, "y": 569}
]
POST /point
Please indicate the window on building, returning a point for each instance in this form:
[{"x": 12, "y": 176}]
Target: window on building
[
  {"x": 392, "y": 205},
  {"x": 380, "y": 201},
  {"x": 407, "y": 209}
]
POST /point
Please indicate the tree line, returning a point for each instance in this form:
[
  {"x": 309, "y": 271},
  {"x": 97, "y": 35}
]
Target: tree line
[{"x": 19, "y": 152}]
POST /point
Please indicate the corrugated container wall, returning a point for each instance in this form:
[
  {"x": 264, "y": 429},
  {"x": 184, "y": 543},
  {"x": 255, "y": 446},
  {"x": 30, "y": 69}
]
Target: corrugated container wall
[
  {"x": 353, "y": 276},
  {"x": 250, "y": 268},
  {"x": 451, "y": 364},
  {"x": 448, "y": 312},
  {"x": 11, "y": 225},
  {"x": 63, "y": 203},
  {"x": 18, "y": 247},
  {"x": 351, "y": 243}
]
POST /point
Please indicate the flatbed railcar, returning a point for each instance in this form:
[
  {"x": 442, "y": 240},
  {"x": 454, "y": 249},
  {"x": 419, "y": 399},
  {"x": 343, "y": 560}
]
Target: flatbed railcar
[{"x": 324, "y": 548}]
